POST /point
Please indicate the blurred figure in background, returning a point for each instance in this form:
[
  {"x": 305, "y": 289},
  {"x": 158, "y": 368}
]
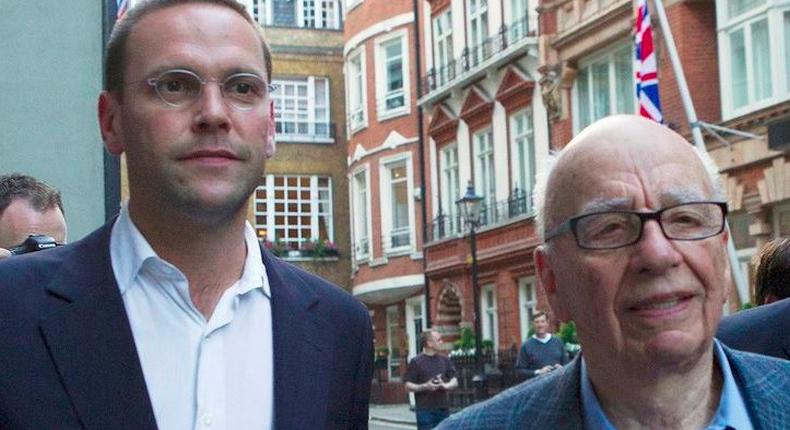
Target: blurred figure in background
[
  {"x": 764, "y": 329},
  {"x": 542, "y": 352},
  {"x": 28, "y": 207}
]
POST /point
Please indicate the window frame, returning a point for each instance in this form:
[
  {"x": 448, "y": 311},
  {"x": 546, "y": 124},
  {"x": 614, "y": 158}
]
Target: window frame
[
  {"x": 488, "y": 193},
  {"x": 270, "y": 213},
  {"x": 526, "y": 302},
  {"x": 450, "y": 209},
  {"x": 490, "y": 314},
  {"x": 385, "y": 191},
  {"x": 773, "y": 12},
  {"x": 608, "y": 56},
  {"x": 352, "y": 124},
  {"x": 364, "y": 171},
  {"x": 443, "y": 42},
  {"x": 382, "y": 75},
  {"x": 311, "y": 83},
  {"x": 523, "y": 179}
]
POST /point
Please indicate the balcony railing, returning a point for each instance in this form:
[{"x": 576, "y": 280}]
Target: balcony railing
[
  {"x": 450, "y": 225},
  {"x": 474, "y": 56},
  {"x": 305, "y": 131}
]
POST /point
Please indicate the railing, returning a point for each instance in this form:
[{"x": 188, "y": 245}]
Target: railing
[
  {"x": 500, "y": 369},
  {"x": 449, "y": 225},
  {"x": 473, "y": 56},
  {"x": 304, "y": 131}
]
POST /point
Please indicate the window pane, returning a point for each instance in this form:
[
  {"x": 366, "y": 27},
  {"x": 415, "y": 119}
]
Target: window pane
[
  {"x": 625, "y": 88},
  {"x": 600, "y": 81},
  {"x": 737, "y": 7},
  {"x": 761, "y": 58},
  {"x": 738, "y": 69},
  {"x": 583, "y": 98}
]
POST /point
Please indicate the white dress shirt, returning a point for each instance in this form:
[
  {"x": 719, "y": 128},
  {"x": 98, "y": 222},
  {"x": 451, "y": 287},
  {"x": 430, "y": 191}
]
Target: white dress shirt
[{"x": 215, "y": 374}]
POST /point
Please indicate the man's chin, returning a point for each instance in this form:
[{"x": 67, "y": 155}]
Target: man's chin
[{"x": 674, "y": 348}]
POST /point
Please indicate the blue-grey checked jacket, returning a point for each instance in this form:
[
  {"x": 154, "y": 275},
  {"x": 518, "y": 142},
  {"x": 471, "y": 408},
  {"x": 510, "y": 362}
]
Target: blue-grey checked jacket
[{"x": 553, "y": 402}]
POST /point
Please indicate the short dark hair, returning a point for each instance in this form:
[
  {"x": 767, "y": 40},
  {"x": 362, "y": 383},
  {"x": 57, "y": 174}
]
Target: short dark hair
[
  {"x": 41, "y": 196},
  {"x": 772, "y": 271},
  {"x": 115, "y": 55},
  {"x": 425, "y": 336},
  {"x": 539, "y": 314}
]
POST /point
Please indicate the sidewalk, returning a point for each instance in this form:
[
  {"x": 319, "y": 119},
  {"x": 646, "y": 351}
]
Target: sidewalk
[{"x": 399, "y": 414}]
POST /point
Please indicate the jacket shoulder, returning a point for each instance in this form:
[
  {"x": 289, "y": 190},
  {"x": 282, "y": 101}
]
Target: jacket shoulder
[
  {"x": 549, "y": 401},
  {"x": 764, "y": 382}
]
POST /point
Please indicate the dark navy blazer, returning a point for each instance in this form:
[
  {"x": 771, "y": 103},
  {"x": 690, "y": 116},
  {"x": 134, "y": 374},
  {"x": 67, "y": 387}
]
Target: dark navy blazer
[
  {"x": 68, "y": 358},
  {"x": 763, "y": 330}
]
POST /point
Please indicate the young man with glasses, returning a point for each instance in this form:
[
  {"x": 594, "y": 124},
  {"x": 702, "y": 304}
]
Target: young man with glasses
[
  {"x": 635, "y": 254},
  {"x": 173, "y": 316}
]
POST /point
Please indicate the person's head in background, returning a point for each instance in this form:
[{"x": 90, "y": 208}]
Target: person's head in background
[
  {"x": 29, "y": 206},
  {"x": 772, "y": 271}
]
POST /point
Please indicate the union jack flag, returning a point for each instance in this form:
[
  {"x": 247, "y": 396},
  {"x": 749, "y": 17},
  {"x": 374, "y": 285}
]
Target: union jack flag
[
  {"x": 123, "y": 5},
  {"x": 645, "y": 66}
]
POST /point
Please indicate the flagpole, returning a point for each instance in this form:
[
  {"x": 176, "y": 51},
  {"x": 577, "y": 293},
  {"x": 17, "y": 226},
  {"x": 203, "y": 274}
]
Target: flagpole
[{"x": 696, "y": 133}]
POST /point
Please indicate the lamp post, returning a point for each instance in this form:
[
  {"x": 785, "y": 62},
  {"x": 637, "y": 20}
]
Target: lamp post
[{"x": 469, "y": 206}]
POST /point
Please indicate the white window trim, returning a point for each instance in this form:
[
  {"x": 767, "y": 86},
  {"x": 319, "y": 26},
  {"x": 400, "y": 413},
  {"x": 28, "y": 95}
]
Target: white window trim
[
  {"x": 448, "y": 204},
  {"x": 490, "y": 199},
  {"x": 414, "y": 338},
  {"x": 390, "y": 335},
  {"x": 311, "y": 120},
  {"x": 484, "y": 312},
  {"x": 780, "y": 208},
  {"x": 318, "y": 6},
  {"x": 353, "y": 126},
  {"x": 515, "y": 156},
  {"x": 586, "y": 62},
  {"x": 523, "y": 303},
  {"x": 366, "y": 170},
  {"x": 270, "y": 214},
  {"x": 386, "y": 199},
  {"x": 773, "y": 11},
  {"x": 449, "y": 50},
  {"x": 382, "y": 113}
]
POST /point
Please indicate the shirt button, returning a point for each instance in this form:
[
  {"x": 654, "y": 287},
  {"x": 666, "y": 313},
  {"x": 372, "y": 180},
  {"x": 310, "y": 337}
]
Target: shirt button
[{"x": 207, "y": 419}]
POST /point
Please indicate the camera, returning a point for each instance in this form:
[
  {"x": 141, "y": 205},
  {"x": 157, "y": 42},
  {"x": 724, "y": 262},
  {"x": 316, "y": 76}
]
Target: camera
[{"x": 33, "y": 243}]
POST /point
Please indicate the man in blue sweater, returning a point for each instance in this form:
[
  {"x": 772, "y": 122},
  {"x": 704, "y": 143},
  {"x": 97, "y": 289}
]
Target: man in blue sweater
[{"x": 542, "y": 352}]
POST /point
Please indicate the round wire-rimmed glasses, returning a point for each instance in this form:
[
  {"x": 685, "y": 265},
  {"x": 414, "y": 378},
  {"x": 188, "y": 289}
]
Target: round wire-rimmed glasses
[{"x": 179, "y": 88}]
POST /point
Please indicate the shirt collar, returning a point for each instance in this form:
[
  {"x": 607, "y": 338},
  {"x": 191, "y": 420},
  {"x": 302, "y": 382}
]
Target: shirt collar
[
  {"x": 544, "y": 340},
  {"x": 129, "y": 250},
  {"x": 731, "y": 414}
]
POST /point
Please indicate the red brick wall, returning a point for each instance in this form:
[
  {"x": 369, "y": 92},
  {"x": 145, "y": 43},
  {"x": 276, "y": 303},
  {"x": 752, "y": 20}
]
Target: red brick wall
[{"x": 694, "y": 29}]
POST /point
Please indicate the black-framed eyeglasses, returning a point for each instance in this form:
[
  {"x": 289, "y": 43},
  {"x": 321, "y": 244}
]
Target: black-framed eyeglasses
[
  {"x": 619, "y": 228},
  {"x": 179, "y": 88}
]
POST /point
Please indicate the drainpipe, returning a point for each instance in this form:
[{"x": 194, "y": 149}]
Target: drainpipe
[{"x": 421, "y": 149}]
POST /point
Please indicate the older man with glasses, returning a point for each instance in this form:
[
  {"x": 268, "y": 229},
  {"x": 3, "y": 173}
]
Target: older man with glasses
[{"x": 635, "y": 254}]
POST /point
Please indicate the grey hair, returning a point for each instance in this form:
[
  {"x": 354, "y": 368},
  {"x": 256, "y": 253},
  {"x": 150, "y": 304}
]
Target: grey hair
[{"x": 543, "y": 176}]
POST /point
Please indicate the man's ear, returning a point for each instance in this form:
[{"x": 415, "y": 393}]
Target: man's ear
[
  {"x": 271, "y": 145},
  {"x": 109, "y": 122},
  {"x": 548, "y": 281}
]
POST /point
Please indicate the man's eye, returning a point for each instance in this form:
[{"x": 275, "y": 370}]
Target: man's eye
[
  {"x": 173, "y": 85},
  {"x": 243, "y": 86}
]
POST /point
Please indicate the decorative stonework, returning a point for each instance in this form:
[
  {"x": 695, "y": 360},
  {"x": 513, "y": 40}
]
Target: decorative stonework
[
  {"x": 443, "y": 125},
  {"x": 734, "y": 193},
  {"x": 515, "y": 91},
  {"x": 776, "y": 184},
  {"x": 554, "y": 82},
  {"x": 477, "y": 108}
]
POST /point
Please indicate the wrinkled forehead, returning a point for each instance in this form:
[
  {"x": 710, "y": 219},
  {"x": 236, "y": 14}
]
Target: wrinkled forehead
[{"x": 611, "y": 174}]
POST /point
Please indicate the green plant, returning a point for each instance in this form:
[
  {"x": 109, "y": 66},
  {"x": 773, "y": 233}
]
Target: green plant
[
  {"x": 466, "y": 341},
  {"x": 568, "y": 332},
  {"x": 747, "y": 305}
]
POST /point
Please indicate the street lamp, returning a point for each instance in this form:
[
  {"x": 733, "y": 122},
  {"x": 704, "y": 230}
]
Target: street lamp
[{"x": 469, "y": 206}]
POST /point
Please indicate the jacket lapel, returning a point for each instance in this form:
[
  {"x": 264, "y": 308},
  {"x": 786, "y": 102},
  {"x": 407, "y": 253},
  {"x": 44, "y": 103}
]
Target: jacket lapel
[
  {"x": 87, "y": 333},
  {"x": 302, "y": 349}
]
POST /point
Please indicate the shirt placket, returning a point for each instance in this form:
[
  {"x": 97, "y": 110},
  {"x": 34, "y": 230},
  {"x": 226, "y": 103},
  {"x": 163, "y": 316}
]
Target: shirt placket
[{"x": 210, "y": 395}]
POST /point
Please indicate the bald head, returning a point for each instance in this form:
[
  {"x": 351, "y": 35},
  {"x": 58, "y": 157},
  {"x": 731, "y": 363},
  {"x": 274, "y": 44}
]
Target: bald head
[{"x": 602, "y": 167}]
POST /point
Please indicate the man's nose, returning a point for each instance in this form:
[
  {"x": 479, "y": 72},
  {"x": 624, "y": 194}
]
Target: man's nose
[
  {"x": 212, "y": 112},
  {"x": 654, "y": 252}
]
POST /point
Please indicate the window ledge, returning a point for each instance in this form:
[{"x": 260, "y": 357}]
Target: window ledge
[
  {"x": 299, "y": 138},
  {"x": 394, "y": 113},
  {"x": 354, "y": 128}
]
